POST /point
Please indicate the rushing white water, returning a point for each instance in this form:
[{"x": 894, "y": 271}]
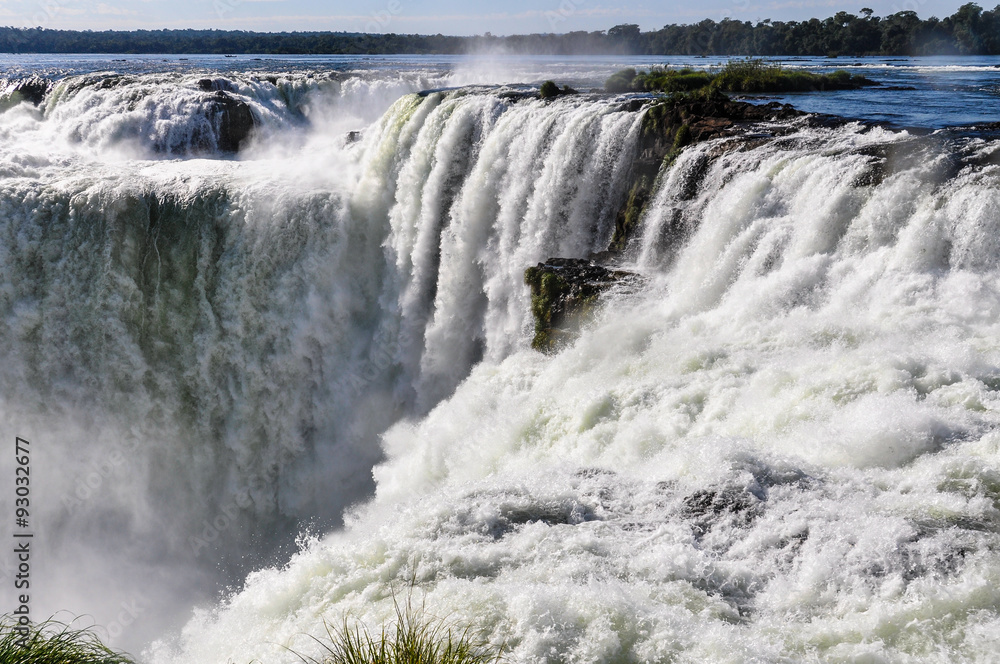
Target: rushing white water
[
  {"x": 783, "y": 450},
  {"x": 206, "y": 350}
]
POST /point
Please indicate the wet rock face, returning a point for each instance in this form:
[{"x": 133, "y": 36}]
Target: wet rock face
[
  {"x": 702, "y": 120},
  {"x": 32, "y": 90},
  {"x": 706, "y": 507},
  {"x": 234, "y": 119},
  {"x": 668, "y": 126},
  {"x": 564, "y": 291},
  {"x": 213, "y": 84}
]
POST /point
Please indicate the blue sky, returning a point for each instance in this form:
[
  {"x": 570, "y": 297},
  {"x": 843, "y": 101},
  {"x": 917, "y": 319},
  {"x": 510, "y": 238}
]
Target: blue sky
[{"x": 428, "y": 16}]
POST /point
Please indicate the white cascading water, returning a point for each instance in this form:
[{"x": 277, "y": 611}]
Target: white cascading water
[
  {"x": 783, "y": 449},
  {"x": 136, "y": 115},
  {"x": 207, "y": 350}
]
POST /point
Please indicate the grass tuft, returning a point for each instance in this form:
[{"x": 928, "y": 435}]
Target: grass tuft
[
  {"x": 413, "y": 639},
  {"x": 53, "y": 642}
]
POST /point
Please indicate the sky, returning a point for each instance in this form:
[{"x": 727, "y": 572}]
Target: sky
[{"x": 452, "y": 17}]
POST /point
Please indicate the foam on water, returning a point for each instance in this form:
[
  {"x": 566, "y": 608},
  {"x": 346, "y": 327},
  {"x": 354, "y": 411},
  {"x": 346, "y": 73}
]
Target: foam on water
[
  {"x": 784, "y": 449},
  {"x": 231, "y": 336}
]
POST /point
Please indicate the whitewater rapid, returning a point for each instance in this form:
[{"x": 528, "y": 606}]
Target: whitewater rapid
[
  {"x": 210, "y": 346},
  {"x": 782, "y": 448}
]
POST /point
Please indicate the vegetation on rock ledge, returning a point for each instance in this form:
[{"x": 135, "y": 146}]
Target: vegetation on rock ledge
[
  {"x": 550, "y": 89},
  {"x": 564, "y": 291},
  {"x": 747, "y": 75}
]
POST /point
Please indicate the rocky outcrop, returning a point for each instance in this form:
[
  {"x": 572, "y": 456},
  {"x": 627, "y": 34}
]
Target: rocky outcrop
[
  {"x": 31, "y": 90},
  {"x": 671, "y": 124},
  {"x": 549, "y": 89},
  {"x": 563, "y": 292},
  {"x": 213, "y": 84},
  {"x": 234, "y": 119}
]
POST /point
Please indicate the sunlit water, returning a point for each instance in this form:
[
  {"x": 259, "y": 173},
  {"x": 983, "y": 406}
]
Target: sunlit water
[{"x": 782, "y": 448}]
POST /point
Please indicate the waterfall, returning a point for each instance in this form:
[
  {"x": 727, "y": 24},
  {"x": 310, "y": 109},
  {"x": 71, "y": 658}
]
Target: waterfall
[
  {"x": 207, "y": 349},
  {"x": 784, "y": 448}
]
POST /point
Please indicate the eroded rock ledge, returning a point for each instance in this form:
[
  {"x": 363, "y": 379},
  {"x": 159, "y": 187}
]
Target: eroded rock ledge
[
  {"x": 668, "y": 127},
  {"x": 564, "y": 292}
]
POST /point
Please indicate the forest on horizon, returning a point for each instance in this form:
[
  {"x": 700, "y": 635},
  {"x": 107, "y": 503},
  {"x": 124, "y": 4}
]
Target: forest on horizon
[{"x": 969, "y": 31}]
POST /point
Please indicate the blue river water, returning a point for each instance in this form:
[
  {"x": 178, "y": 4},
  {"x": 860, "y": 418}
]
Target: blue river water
[{"x": 932, "y": 92}]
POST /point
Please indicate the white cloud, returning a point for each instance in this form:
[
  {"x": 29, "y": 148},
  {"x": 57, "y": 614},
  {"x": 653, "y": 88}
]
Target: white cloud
[{"x": 105, "y": 9}]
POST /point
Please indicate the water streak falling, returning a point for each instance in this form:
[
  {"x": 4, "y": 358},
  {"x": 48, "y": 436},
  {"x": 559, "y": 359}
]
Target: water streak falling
[
  {"x": 784, "y": 449},
  {"x": 237, "y": 332}
]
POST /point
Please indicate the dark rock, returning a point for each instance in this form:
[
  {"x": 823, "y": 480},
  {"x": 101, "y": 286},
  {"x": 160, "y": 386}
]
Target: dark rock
[
  {"x": 31, "y": 89},
  {"x": 511, "y": 519},
  {"x": 550, "y": 89},
  {"x": 113, "y": 81},
  {"x": 706, "y": 507},
  {"x": 234, "y": 119},
  {"x": 516, "y": 95},
  {"x": 213, "y": 84},
  {"x": 935, "y": 158},
  {"x": 669, "y": 125},
  {"x": 563, "y": 292}
]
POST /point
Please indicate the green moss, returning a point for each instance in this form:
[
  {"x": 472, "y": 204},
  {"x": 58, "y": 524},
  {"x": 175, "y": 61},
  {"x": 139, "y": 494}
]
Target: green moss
[
  {"x": 628, "y": 220},
  {"x": 746, "y": 75},
  {"x": 547, "y": 292},
  {"x": 682, "y": 138},
  {"x": 548, "y": 89},
  {"x": 653, "y": 120}
]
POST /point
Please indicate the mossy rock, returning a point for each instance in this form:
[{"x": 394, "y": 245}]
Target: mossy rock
[
  {"x": 549, "y": 89},
  {"x": 564, "y": 293}
]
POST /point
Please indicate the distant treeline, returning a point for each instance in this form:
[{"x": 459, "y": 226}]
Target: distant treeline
[{"x": 970, "y": 31}]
